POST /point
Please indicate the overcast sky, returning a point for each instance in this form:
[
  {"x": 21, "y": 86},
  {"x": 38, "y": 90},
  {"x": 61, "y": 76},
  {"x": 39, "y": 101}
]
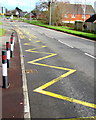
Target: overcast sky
[{"x": 28, "y": 5}]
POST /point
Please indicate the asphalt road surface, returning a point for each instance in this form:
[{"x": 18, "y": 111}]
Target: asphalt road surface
[{"x": 60, "y": 72}]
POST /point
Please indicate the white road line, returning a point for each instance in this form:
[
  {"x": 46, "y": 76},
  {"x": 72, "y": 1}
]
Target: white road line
[
  {"x": 66, "y": 44},
  {"x": 90, "y": 55},
  {"x": 25, "y": 89}
]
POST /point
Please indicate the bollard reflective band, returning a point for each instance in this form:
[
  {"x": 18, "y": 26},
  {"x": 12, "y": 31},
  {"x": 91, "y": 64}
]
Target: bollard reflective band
[
  {"x": 8, "y": 55},
  {"x": 12, "y": 47},
  {"x": 4, "y": 56},
  {"x": 4, "y": 69}
]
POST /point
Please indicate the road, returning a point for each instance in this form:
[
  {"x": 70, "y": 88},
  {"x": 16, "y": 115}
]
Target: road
[{"x": 59, "y": 71}]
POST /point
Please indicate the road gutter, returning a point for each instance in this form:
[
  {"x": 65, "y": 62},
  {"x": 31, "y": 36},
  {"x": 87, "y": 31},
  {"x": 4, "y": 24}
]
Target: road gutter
[{"x": 25, "y": 88}]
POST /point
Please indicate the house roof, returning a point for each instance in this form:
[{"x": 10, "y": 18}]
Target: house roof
[
  {"x": 78, "y": 9},
  {"x": 91, "y": 19}
]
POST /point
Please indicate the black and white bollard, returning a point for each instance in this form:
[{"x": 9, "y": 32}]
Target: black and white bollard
[
  {"x": 4, "y": 69},
  {"x": 12, "y": 47},
  {"x": 13, "y": 36},
  {"x": 8, "y": 54}
]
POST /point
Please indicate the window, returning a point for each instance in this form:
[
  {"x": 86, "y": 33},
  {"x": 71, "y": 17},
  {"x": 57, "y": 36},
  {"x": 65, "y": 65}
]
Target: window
[{"x": 73, "y": 15}]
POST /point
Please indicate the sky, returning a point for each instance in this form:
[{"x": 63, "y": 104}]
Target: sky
[{"x": 28, "y": 5}]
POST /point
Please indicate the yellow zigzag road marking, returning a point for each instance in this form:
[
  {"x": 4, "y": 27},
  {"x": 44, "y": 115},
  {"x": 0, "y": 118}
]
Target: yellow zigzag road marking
[
  {"x": 29, "y": 50},
  {"x": 70, "y": 71},
  {"x": 22, "y": 36},
  {"x": 32, "y": 36},
  {"x": 28, "y": 43},
  {"x": 38, "y": 41},
  {"x": 40, "y": 89},
  {"x": 29, "y": 39},
  {"x": 31, "y": 43}
]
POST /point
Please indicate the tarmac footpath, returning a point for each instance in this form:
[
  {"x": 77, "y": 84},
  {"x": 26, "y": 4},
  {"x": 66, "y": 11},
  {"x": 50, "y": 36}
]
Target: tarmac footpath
[{"x": 12, "y": 97}]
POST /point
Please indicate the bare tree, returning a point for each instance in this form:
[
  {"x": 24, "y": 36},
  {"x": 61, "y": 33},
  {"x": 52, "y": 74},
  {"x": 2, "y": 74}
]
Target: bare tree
[
  {"x": 40, "y": 6},
  {"x": 58, "y": 13},
  {"x": 57, "y": 10},
  {"x": 41, "y": 10}
]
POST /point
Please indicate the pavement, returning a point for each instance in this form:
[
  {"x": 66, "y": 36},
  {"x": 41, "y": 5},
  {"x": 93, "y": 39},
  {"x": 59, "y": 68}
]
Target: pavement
[{"x": 11, "y": 102}]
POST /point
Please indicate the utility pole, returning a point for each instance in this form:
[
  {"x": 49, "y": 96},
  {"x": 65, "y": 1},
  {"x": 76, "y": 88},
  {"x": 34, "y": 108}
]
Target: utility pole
[
  {"x": 50, "y": 16},
  {"x": 84, "y": 10},
  {"x": 30, "y": 10},
  {"x": 84, "y": 13},
  {"x": 50, "y": 5},
  {"x": 30, "y": 15}
]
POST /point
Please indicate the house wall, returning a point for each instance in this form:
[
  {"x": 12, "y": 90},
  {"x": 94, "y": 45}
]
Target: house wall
[
  {"x": 70, "y": 18},
  {"x": 40, "y": 16}
]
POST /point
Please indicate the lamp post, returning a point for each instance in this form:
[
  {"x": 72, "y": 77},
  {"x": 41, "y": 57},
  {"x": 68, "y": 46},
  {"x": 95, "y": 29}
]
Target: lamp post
[
  {"x": 50, "y": 16},
  {"x": 30, "y": 10},
  {"x": 84, "y": 10},
  {"x": 50, "y": 6},
  {"x": 30, "y": 16},
  {"x": 84, "y": 13}
]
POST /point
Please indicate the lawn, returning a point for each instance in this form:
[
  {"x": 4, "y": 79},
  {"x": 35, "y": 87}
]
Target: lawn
[
  {"x": 2, "y": 32},
  {"x": 0, "y": 23},
  {"x": 63, "y": 29}
]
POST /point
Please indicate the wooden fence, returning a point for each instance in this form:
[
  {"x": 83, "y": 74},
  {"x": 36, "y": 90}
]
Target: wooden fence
[{"x": 88, "y": 27}]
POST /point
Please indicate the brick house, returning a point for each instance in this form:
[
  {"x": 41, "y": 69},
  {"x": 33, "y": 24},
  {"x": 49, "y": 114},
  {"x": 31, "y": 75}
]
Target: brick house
[{"x": 74, "y": 12}]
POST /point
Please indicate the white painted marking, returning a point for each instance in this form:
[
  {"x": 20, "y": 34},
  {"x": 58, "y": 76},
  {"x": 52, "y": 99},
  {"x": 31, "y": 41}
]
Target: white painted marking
[
  {"x": 12, "y": 47},
  {"x": 4, "y": 69},
  {"x": 8, "y": 54},
  {"x": 90, "y": 55},
  {"x": 25, "y": 88},
  {"x": 13, "y": 41},
  {"x": 65, "y": 44}
]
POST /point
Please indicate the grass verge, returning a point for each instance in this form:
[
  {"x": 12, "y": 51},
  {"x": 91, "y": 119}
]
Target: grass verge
[
  {"x": 63, "y": 29},
  {"x": 0, "y": 23},
  {"x": 2, "y": 32}
]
